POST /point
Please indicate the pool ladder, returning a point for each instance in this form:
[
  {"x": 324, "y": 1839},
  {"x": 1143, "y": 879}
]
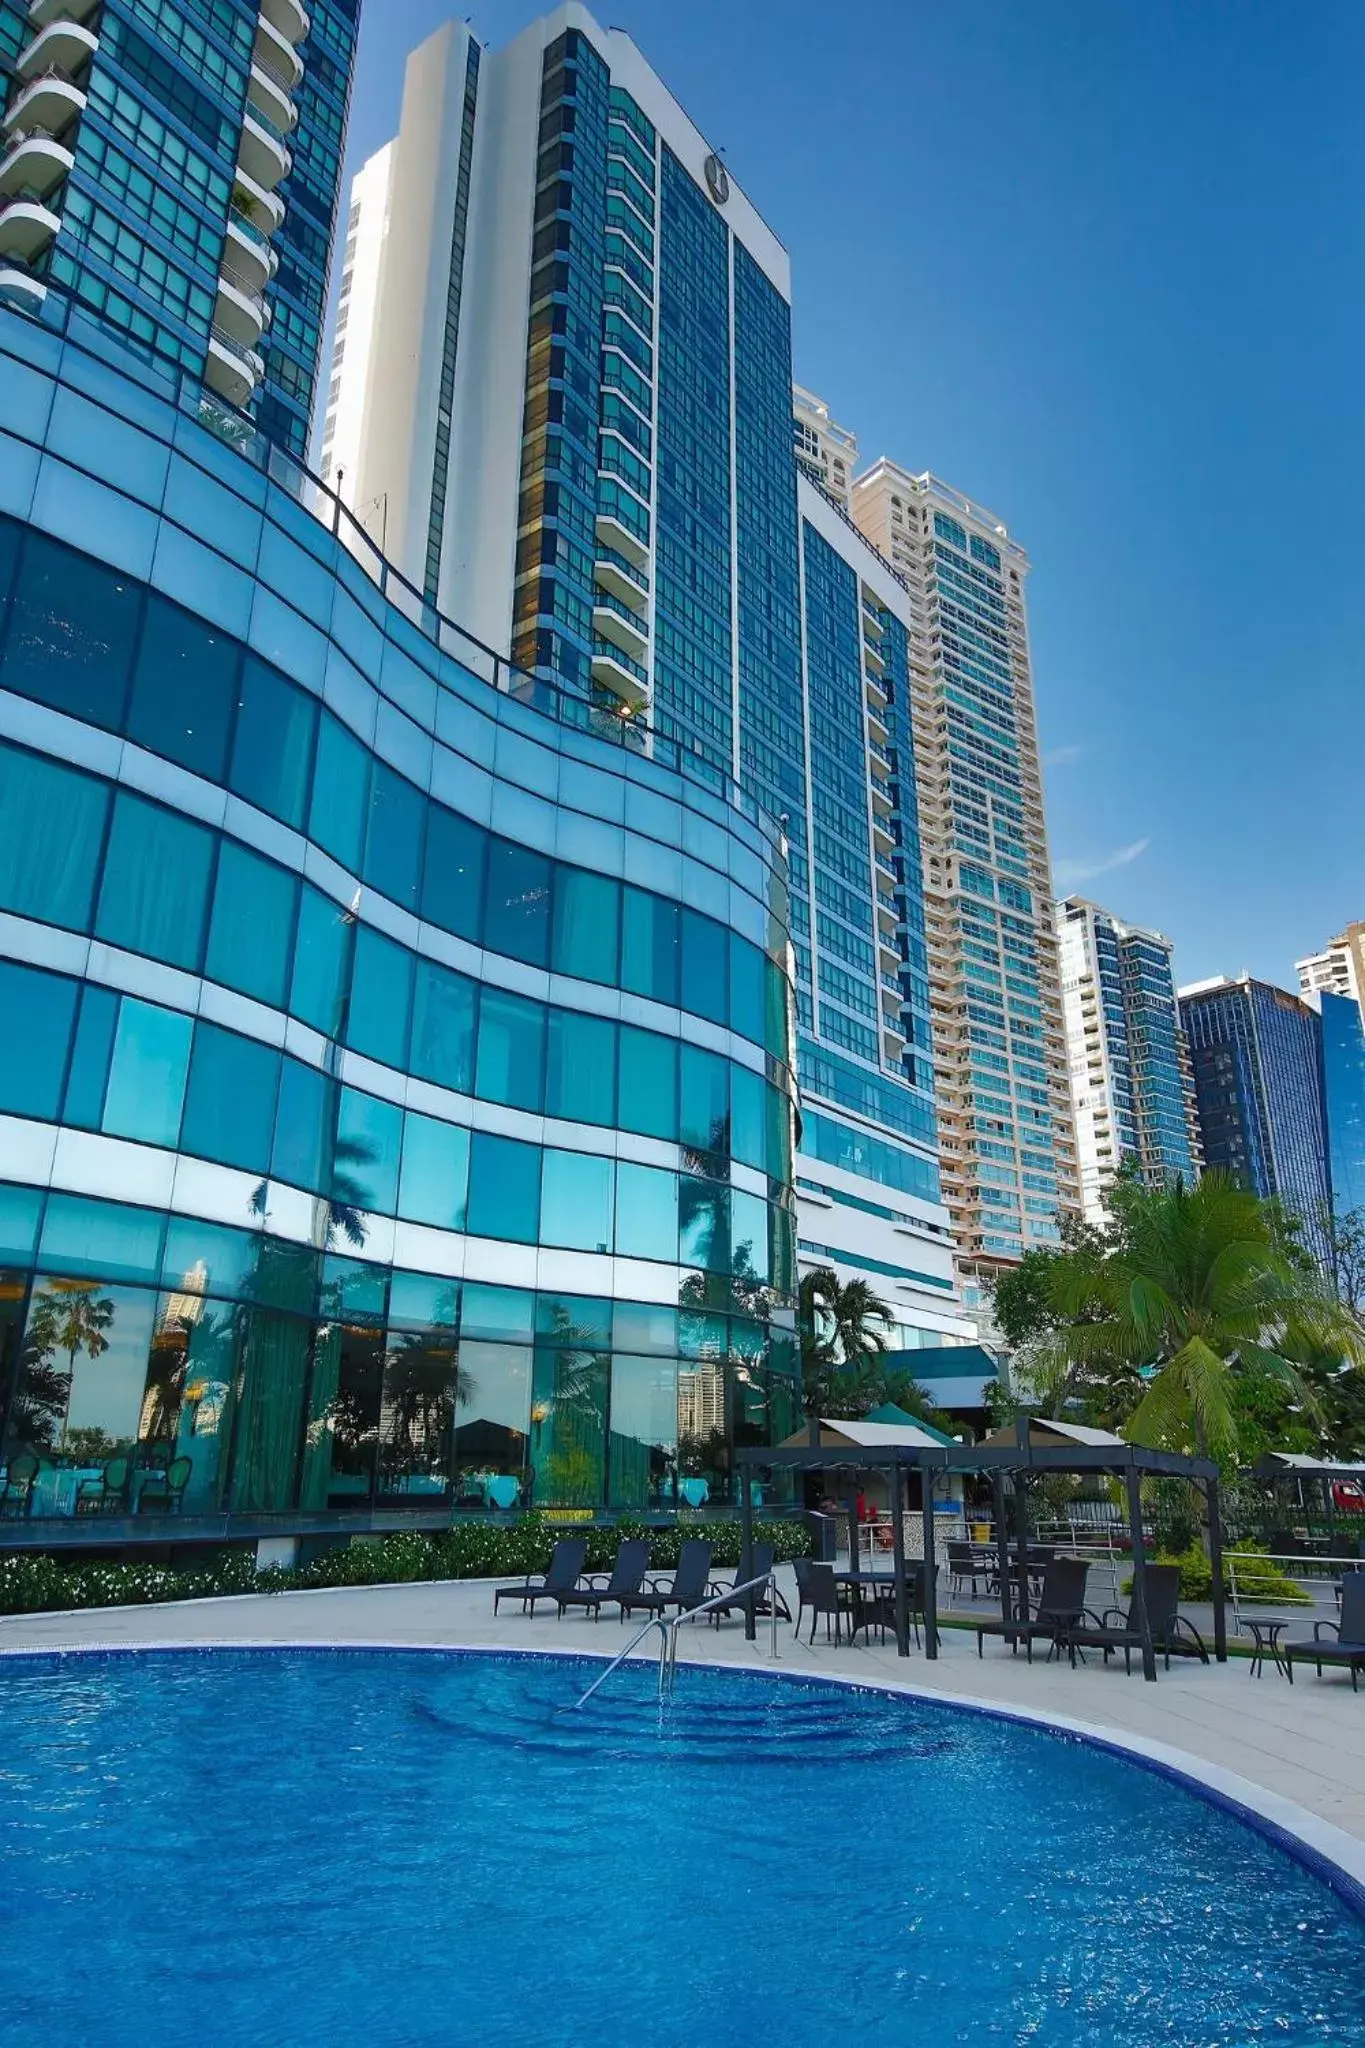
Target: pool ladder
[{"x": 668, "y": 1635}]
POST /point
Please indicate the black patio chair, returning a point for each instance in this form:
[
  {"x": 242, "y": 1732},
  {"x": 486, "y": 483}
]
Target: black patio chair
[
  {"x": 627, "y": 1575},
  {"x": 761, "y": 1566},
  {"x": 1346, "y": 1642},
  {"x": 823, "y": 1594},
  {"x": 688, "y": 1588},
  {"x": 877, "y": 1605},
  {"x": 1061, "y": 1605},
  {"x": 1116, "y": 1629},
  {"x": 566, "y": 1568},
  {"x": 16, "y": 1494},
  {"x": 965, "y": 1567}
]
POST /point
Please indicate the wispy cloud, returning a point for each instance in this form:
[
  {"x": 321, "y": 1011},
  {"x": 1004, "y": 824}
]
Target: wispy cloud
[
  {"x": 1065, "y": 873},
  {"x": 1063, "y": 757}
]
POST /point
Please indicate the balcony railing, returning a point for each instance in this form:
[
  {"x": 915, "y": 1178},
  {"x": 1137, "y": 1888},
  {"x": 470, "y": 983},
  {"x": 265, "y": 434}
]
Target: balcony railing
[
  {"x": 603, "y": 600},
  {"x": 631, "y": 570},
  {"x": 244, "y": 223},
  {"x": 607, "y": 650},
  {"x": 247, "y": 357}
]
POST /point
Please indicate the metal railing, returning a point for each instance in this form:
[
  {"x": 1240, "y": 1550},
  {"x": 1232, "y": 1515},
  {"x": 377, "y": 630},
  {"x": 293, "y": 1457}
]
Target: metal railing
[{"x": 668, "y": 1633}]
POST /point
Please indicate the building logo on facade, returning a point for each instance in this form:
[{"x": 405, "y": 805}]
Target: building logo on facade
[{"x": 717, "y": 179}]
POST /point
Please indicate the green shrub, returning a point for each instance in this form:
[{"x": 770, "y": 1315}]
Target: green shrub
[
  {"x": 1258, "y": 1580},
  {"x": 33, "y": 1583}
]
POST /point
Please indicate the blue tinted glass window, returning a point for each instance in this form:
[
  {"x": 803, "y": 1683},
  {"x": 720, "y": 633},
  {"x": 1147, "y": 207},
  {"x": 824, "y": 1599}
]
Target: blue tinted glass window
[
  {"x": 104, "y": 1239},
  {"x": 393, "y": 844},
  {"x": 576, "y": 1191},
  {"x": 504, "y": 1188},
  {"x": 322, "y": 962},
  {"x": 11, "y": 533},
  {"x": 587, "y": 926},
  {"x": 154, "y": 896},
  {"x": 184, "y": 688},
  {"x": 424, "y": 1301},
  {"x": 341, "y": 793},
  {"x": 749, "y": 1235},
  {"x": 649, "y": 1083},
  {"x": 511, "y": 1060},
  {"x": 434, "y": 1184},
  {"x": 381, "y": 997},
  {"x": 650, "y": 946},
  {"x": 305, "y": 1126},
  {"x": 453, "y": 878},
  {"x": 580, "y": 1068},
  {"x": 251, "y": 931},
  {"x": 147, "y": 1073},
  {"x": 73, "y": 626},
  {"x": 365, "y": 1172},
  {"x": 51, "y": 832},
  {"x": 704, "y": 946},
  {"x": 703, "y": 1224},
  {"x": 777, "y": 1010},
  {"x": 779, "y": 1145},
  {"x": 747, "y": 977},
  {"x": 443, "y": 1027},
  {"x": 272, "y": 750},
  {"x": 230, "y": 1101},
  {"x": 518, "y": 919},
  {"x": 90, "y": 1057},
  {"x": 646, "y": 1213},
  {"x": 37, "y": 1012},
  {"x": 208, "y": 1258},
  {"x": 746, "y": 1116},
  {"x": 704, "y": 1123}
]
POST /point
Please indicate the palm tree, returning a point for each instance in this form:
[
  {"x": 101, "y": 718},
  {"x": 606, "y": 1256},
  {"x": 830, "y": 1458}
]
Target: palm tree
[
  {"x": 69, "y": 1316},
  {"x": 843, "y": 1328},
  {"x": 1200, "y": 1288}
]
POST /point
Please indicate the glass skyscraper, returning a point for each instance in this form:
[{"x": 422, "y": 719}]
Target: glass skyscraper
[
  {"x": 172, "y": 170},
  {"x": 1257, "y": 1058},
  {"x": 1343, "y": 1086}
]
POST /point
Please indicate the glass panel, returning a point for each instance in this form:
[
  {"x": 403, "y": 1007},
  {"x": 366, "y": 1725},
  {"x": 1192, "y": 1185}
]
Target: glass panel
[
  {"x": 703, "y": 1224},
  {"x": 504, "y": 1188},
  {"x": 518, "y": 918},
  {"x": 272, "y": 750},
  {"x": 82, "y": 1391},
  {"x": 783, "y": 1255},
  {"x": 646, "y": 1213},
  {"x": 147, "y": 1073},
  {"x": 230, "y": 1101},
  {"x": 51, "y": 833},
  {"x": 72, "y": 632},
  {"x": 268, "y": 1423},
  {"x": 492, "y": 1424},
  {"x": 704, "y": 948},
  {"x": 154, "y": 896},
  {"x": 777, "y": 994},
  {"x": 421, "y": 1393},
  {"x": 393, "y": 845},
  {"x": 649, "y": 1083},
  {"x": 341, "y": 793},
  {"x": 580, "y": 1068},
  {"x": 576, "y": 1201},
  {"x": 286, "y": 1275},
  {"x": 424, "y": 1301},
  {"x": 645, "y": 1326},
  {"x": 504, "y": 1314},
  {"x": 779, "y": 1146},
  {"x": 37, "y": 1012},
  {"x": 90, "y": 1058},
  {"x": 435, "y": 1178},
  {"x": 18, "y": 1223},
  {"x": 649, "y": 946},
  {"x": 749, "y": 1240},
  {"x": 209, "y": 1258},
  {"x": 322, "y": 963},
  {"x": 703, "y": 1445},
  {"x": 101, "y": 1238},
  {"x": 184, "y": 689},
  {"x": 443, "y": 1027},
  {"x": 365, "y": 1175},
  {"x": 511, "y": 1049},
  {"x": 453, "y": 881},
  {"x": 340, "y": 1468},
  {"x": 644, "y": 1432},
  {"x": 569, "y": 1416},
  {"x": 705, "y": 1120},
  {"x": 746, "y": 1116},
  {"x": 305, "y": 1127},
  {"x": 16, "y": 1417},
  {"x": 381, "y": 998},
  {"x": 251, "y": 931},
  {"x": 192, "y": 1371},
  {"x": 587, "y": 925},
  {"x": 747, "y": 966}
]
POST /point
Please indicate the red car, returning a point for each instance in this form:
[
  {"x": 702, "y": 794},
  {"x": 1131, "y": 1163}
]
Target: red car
[{"x": 1349, "y": 1496}]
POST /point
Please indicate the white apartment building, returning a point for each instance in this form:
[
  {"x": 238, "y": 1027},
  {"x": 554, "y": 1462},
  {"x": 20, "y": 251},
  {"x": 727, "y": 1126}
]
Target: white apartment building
[
  {"x": 825, "y": 452},
  {"x": 344, "y": 414},
  {"x": 1339, "y": 968}
]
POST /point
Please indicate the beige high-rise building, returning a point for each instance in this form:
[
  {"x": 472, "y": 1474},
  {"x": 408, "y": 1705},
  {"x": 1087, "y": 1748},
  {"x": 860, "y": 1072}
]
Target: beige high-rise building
[
  {"x": 1000, "y": 1068},
  {"x": 1339, "y": 968},
  {"x": 825, "y": 451}
]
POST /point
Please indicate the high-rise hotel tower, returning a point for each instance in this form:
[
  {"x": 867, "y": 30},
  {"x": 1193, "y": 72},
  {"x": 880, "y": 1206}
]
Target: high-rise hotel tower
[{"x": 561, "y": 402}]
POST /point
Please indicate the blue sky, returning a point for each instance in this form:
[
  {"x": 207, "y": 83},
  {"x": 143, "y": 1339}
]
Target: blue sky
[{"x": 1103, "y": 268}]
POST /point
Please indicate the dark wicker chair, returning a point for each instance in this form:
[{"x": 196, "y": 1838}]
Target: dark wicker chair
[
  {"x": 1115, "y": 1630},
  {"x": 566, "y": 1568},
  {"x": 626, "y": 1577},
  {"x": 1335, "y": 1642},
  {"x": 1061, "y": 1606}
]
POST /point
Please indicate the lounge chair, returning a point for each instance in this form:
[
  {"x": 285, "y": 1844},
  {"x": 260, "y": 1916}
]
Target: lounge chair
[
  {"x": 1117, "y": 1630},
  {"x": 627, "y": 1575},
  {"x": 761, "y": 1566},
  {"x": 566, "y": 1568},
  {"x": 689, "y": 1586},
  {"x": 1346, "y": 1642},
  {"x": 1061, "y": 1606}
]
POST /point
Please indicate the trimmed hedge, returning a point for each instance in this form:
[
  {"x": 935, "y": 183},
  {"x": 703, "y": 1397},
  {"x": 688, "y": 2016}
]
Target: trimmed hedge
[
  {"x": 1258, "y": 1580},
  {"x": 36, "y": 1584}
]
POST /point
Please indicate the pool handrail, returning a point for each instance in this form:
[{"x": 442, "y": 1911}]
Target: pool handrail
[{"x": 668, "y": 1630}]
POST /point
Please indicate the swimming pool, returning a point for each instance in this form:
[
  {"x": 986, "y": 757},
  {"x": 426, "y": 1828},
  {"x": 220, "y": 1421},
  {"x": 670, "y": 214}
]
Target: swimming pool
[{"x": 412, "y": 1850}]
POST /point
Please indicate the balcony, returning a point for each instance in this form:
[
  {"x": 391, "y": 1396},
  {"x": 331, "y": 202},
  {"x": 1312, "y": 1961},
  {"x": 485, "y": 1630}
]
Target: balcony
[
  {"x": 50, "y": 102},
  {"x": 618, "y": 672},
  {"x": 63, "y": 46},
  {"x": 41, "y": 12},
  {"x": 288, "y": 17},
  {"x": 241, "y": 311},
  {"x": 264, "y": 154},
  {"x": 33, "y": 166},
  {"x": 26, "y": 228},
  {"x": 872, "y": 655},
  {"x": 251, "y": 202},
  {"x": 269, "y": 99},
  {"x": 612, "y": 620},
  {"x": 249, "y": 252},
  {"x": 232, "y": 370},
  {"x": 619, "y": 540},
  {"x": 19, "y": 288},
  {"x": 621, "y": 577},
  {"x": 276, "y": 54}
]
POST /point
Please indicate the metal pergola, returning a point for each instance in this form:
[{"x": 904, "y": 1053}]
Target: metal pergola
[{"x": 1132, "y": 1463}]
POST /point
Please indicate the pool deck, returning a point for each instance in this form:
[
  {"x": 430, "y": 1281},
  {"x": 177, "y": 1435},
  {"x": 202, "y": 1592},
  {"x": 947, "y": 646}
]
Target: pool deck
[{"x": 1295, "y": 1755}]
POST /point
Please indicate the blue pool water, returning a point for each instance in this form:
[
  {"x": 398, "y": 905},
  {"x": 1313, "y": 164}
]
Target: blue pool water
[{"x": 411, "y": 1851}]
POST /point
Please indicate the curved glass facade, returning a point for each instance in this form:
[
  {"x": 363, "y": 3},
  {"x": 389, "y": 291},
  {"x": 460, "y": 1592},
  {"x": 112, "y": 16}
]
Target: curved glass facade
[{"x": 395, "y": 1109}]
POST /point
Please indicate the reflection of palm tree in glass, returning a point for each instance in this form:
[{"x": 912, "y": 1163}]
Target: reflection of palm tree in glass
[
  {"x": 424, "y": 1384},
  {"x": 344, "y": 1209},
  {"x": 576, "y": 1413},
  {"x": 66, "y": 1316}
]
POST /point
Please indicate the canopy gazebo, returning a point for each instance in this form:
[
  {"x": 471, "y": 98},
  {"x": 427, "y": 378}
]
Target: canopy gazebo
[{"x": 1014, "y": 1454}]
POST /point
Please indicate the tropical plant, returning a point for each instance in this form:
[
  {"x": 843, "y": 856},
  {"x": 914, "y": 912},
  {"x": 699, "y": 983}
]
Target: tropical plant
[
  {"x": 843, "y": 1333},
  {"x": 71, "y": 1317}
]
